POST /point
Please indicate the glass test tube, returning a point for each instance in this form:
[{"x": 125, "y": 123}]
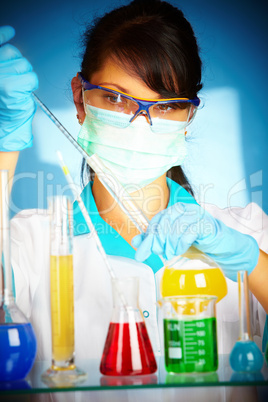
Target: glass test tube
[{"x": 63, "y": 367}]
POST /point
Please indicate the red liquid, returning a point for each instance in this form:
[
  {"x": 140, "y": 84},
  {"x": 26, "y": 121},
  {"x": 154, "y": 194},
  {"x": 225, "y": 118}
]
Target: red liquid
[{"x": 128, "y": 350}]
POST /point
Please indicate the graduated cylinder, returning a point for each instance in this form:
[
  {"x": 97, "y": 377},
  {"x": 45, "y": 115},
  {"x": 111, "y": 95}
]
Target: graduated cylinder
[{"x": 61, "y": 282}]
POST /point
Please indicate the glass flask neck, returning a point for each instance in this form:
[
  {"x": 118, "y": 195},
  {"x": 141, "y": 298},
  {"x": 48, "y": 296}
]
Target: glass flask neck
[
  {"x": 244, "y": 306},
  {"x": 6, "y": 297},
  {"x": 125, "y": 293},
  {"x": 6, "y": 279},
  {"x": 192, "y": 254}
]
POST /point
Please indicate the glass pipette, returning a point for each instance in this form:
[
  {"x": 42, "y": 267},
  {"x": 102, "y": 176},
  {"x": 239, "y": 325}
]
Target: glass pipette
[
  {"x": 245, "y": 355},
  {"x": 111, "y": 183}
]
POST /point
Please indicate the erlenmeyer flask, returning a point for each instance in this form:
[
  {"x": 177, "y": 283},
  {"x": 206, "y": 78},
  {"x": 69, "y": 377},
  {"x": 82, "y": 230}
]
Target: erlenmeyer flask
[
  {"x": 127, "y": 350},
  {"x": 17, "y": 339},
  {"x": 245, "y": 355},
  {"x": 194, "y": 274}
]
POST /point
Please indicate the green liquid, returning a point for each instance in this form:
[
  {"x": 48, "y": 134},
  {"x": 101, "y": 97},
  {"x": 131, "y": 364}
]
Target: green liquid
[
  {"x": 266, "y": 353},
  {"x": 190, "y": 346}
]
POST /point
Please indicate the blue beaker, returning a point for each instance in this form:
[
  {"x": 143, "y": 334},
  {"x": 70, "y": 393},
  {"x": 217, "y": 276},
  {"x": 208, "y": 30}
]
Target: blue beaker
[{"x": 17, "y": 339}]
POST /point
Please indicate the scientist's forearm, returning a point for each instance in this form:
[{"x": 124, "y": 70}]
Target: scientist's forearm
[{"x": 258, "y": 280}]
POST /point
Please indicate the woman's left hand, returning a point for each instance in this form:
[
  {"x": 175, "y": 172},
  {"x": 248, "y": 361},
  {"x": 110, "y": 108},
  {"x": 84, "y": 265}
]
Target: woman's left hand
[{"x": 172, "y": 231}]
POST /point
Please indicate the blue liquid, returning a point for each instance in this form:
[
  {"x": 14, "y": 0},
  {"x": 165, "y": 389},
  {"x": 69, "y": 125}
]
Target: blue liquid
[
  {"x": 14, "y": 385},
  {"x": 17, "y": 351},
  {"x": 246, "y": 357}
]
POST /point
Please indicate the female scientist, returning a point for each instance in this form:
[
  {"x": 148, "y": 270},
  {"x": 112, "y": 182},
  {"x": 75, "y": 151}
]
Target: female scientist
[{"x": 135, "y": 96}]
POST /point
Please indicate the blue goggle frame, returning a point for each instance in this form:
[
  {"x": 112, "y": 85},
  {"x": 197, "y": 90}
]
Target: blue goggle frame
[{"x": 144, "y": 104}]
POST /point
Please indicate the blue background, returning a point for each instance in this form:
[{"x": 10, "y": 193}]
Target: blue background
[{"x": 227, "y": 162}]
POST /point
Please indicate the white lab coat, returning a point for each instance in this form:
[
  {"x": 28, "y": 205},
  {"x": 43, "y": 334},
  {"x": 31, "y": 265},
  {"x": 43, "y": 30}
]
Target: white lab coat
[{"x": 92, "y": 286}]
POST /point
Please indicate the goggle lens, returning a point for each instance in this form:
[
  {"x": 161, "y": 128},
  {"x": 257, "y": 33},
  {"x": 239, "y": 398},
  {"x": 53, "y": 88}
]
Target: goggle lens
[
  {"x": 117, "y": 102},
  {"x": 177, "y": 111},
  {"x": 110, "y": 101}
]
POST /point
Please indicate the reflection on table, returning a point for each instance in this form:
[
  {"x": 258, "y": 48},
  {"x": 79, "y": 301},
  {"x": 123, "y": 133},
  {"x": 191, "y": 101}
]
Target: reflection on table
[{"x": 95, "y": 381}]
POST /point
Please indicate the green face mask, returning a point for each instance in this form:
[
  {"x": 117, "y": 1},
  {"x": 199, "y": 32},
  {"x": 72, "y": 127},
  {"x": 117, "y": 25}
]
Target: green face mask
[{"x": 135, "y": 155}]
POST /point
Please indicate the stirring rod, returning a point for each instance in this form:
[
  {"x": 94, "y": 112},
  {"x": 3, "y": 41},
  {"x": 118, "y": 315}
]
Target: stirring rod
[
  {"x": 85, "y": 213},
  {"x": 88, "y": 221}
]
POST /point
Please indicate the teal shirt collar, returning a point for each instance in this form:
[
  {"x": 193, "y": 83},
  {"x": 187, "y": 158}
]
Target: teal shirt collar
[{"x": 113, "y": 243}]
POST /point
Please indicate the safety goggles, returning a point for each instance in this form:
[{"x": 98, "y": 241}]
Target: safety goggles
[{"x": 175, "y": 109}]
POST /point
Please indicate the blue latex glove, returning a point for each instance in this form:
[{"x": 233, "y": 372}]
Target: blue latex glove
[
  {"x": 17, "y": 107},
  {"x": 172, "y": 231}
]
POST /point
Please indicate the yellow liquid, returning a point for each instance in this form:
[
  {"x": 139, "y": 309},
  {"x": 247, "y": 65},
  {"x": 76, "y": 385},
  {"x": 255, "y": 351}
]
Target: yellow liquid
[
  {"x": 193, "y": 282},
  {"x": 62, "y": 307}
]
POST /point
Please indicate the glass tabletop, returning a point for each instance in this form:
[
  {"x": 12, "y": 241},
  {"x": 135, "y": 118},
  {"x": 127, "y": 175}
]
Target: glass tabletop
[{"x": 224, "y": 376}]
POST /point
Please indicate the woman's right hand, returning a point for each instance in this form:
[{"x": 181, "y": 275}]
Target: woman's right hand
[
  {"x": 17, "y": 107},
  {"x": 172, "y": 231}
]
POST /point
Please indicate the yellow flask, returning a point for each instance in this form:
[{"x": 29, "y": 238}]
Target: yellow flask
[{"x": 194, "y": 274}]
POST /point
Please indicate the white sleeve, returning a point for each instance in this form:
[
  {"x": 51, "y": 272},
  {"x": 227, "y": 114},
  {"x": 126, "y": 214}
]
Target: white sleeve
[
  {"x": 29, "y": 242},
  {"x": 30, "y": 263},
  {"x": 251, "y": 220}
]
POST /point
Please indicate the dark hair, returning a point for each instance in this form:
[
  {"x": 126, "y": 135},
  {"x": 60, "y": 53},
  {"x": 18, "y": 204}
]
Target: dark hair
[{"x": 156, "y": 43}]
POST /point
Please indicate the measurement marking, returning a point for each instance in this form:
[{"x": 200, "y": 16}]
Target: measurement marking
[
  {"x": 192, "y": 353},
  {"x": 184, "y": 343},
  {"x": 191, "y": 343}
]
